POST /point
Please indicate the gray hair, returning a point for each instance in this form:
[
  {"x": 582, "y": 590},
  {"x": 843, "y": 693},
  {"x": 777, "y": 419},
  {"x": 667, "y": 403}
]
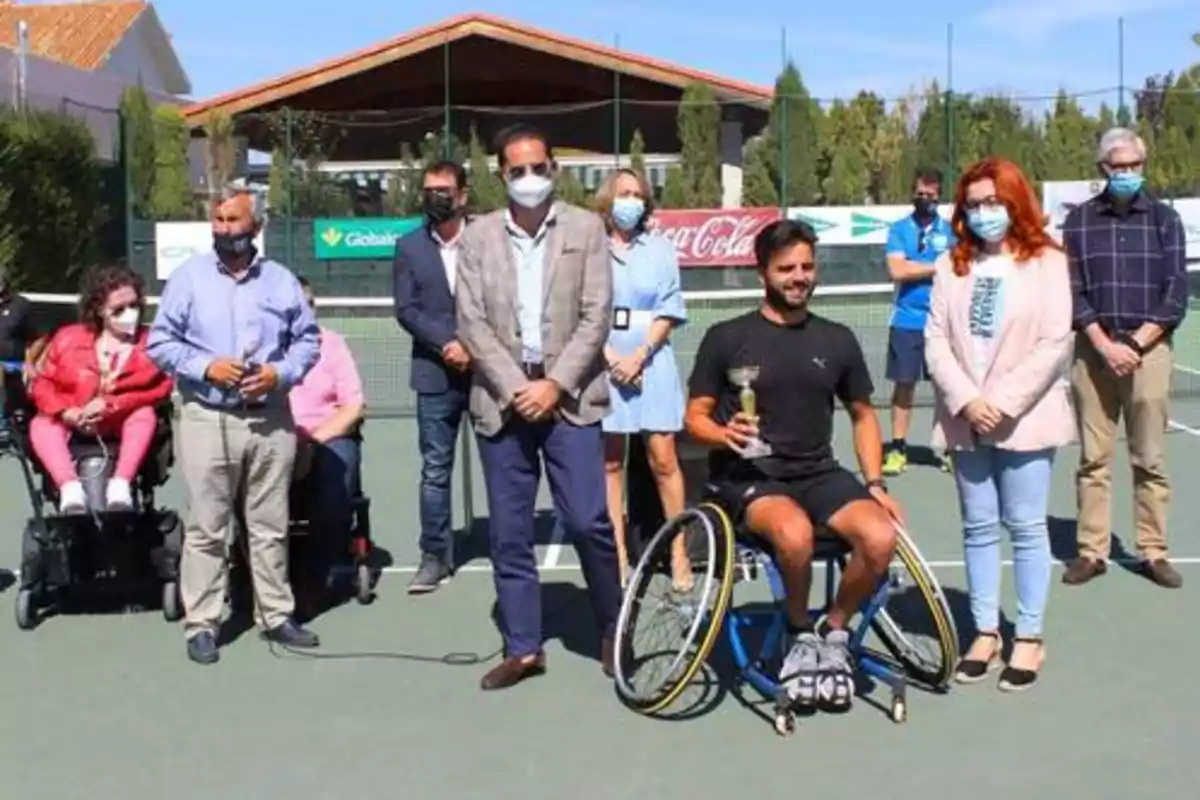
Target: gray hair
[
  {"x": 258, "y": 203},
  {"x": 1119, "y": 137}
]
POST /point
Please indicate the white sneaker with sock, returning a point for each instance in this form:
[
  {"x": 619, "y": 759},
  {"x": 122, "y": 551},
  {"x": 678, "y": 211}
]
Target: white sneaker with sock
[
  {"x": 71, "y": 498},
  {"x": 119, "y": 497}
]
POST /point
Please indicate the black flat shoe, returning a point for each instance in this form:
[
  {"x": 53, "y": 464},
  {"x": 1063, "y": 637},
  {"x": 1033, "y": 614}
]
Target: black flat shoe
[
  {"x": 1013, "y": 679},
  {"x": 972, "y": 670}
]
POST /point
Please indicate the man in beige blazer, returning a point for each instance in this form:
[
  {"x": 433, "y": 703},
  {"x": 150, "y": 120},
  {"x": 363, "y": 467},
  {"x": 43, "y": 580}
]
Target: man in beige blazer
[{"x": 534, "y": 307}]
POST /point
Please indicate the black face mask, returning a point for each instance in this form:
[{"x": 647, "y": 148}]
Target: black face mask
[
  {"x": 438, "y": 207},
  {"x": 924, "y": 208},
  {"x": 233, "y": 245}
]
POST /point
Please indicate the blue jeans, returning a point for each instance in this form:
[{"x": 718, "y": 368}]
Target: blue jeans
[
  {"x": 1010, "y": 489},
  {"x": 438, "y": 420},
  {"x": 334, "y": 480}
]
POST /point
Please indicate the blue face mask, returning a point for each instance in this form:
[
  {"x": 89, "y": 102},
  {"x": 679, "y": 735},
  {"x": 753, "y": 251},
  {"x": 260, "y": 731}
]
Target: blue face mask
[
  {"x": 1125, "y": 184},
  {"x": 989, "y": 224},
  {"x": 627, "y": 212}
]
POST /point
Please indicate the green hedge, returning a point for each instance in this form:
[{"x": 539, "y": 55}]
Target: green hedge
[{"x": 61, "y": 207}]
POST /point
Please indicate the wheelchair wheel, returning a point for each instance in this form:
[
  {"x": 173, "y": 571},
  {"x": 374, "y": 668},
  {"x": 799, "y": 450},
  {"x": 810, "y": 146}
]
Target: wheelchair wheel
[
  {"x": 362, "y": 584},
  {"x": 689, "y": 621},
  {"x": 172, "y": 605},
  {"x": 927, "y": 649},
  {"x": 26, "y": 610}
]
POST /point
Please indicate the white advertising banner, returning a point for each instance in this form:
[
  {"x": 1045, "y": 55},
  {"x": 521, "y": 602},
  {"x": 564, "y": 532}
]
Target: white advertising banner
[
  {"x": 1189, "y": 210},
  {"x": 176, "y": 242},
  {"x": 860, "y": 225}
]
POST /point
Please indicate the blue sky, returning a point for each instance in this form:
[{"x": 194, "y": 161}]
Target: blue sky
[{"x": 889, "y": 47}]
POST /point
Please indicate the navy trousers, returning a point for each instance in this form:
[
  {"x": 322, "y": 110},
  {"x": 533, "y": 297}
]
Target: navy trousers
[{"x": 574, "y": 458}]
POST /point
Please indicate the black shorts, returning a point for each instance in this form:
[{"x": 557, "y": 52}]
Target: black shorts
[
  {"x": 821, "y": 495},
  {"x": 906, "y": 356}
]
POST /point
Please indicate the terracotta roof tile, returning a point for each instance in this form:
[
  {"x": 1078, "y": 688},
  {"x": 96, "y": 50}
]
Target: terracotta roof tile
[{"x": 80, "y": 35}]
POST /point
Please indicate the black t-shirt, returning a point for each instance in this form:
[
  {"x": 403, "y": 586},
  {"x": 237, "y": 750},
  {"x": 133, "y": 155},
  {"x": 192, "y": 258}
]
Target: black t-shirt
[
  {"x": 802, "y": 368},
  {"x": 17, "y": 330}
]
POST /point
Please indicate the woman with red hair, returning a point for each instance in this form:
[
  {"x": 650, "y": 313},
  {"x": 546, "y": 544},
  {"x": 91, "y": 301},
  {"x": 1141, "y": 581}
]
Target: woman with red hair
[{"x": 998, "y": 342}]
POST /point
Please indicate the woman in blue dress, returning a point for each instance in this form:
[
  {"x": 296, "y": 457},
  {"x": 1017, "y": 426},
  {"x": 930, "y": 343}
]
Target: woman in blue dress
[{"x": 647, "y": 395}]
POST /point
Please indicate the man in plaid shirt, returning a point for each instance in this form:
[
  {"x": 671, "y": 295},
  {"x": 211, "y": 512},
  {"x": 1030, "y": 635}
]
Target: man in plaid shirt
[{"x": 1129, "y": 275}]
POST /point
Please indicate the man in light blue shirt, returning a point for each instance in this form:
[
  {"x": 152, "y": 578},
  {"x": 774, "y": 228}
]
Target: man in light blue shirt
[
  {"x": 914, "y": 244},
  {"x": 235, "y": 331}
]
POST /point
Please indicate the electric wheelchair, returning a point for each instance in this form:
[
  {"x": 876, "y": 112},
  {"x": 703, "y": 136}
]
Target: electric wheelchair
[
  {"x": 132, "y": 553},
  {"x": 724, "y": 553}
]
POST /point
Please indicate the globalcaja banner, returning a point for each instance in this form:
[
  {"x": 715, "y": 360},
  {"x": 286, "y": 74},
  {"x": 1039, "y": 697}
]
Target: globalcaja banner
[
  {"x": 360, "y": 237},
  {"x": 855, "y": 225},
  {"x": 721, "y": 237}
]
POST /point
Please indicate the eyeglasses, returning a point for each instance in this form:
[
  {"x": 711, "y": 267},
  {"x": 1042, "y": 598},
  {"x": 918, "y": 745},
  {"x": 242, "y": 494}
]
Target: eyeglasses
[
  {"x": 541, "y": 169},
  {"x": 990, "y": 203}
]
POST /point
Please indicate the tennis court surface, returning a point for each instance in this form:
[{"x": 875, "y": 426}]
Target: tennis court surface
[{"x": 107, "y": 706}]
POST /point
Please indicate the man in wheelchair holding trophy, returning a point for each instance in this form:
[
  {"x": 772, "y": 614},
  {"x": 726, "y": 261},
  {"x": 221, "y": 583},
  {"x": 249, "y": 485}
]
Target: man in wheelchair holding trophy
[{"x": 762, "y": 397}]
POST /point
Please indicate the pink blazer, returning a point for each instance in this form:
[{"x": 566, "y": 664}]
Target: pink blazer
[{"x": 1027, "y": 381}]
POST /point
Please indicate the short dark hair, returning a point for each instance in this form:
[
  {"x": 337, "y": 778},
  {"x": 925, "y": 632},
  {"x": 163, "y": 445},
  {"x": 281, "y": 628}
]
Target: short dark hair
[
  {"x": 304, "y": 282},
  {"x": 516, "y": 133},
  {"x": 779, "y": 236},
  {"x": 447, "y": 167},
  {"x": 928, "y": 175},
  {"x": 98, "y": 283}
]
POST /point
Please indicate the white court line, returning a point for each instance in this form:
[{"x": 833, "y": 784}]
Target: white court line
[
  {"x": 554, "y": 549},
  {"x": 1179, "y": 426},
  {"x": 1187, "y": 369},
  {"x": 952, "y": 564}
]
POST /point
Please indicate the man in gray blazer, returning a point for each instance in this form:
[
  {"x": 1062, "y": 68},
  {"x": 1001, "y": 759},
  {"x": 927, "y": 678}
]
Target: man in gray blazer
[{"x": 534, "y": 307}]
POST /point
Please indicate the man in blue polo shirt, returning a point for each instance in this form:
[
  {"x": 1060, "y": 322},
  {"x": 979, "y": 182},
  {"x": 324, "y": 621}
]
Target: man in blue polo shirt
[{"x": 914, "y": 243}]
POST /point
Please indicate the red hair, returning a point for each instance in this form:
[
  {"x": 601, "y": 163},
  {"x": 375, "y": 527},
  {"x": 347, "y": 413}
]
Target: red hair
[{"x": 1027, "y": 236}]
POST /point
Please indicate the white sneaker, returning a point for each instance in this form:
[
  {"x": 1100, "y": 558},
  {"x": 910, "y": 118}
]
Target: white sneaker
[
  {"x": 118, "y": 495},
  {"x": 71, "y": 498}
]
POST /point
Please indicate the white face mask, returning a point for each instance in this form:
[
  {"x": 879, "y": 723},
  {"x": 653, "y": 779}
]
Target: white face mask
[
  {"x": 530, "y": 190},
  {"x": 127, "y": 321}
]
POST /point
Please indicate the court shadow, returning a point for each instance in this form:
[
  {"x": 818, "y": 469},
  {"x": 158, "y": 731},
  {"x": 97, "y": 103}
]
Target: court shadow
[
  {"x": 471, "y": 543},
  {"x": 923, "y": 456},
  {"x": 7, "y": 579},
  {"x": 1064, "y": 544}
]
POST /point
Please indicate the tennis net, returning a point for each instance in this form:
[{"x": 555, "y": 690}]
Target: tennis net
[{"x": 382, "y": 349}]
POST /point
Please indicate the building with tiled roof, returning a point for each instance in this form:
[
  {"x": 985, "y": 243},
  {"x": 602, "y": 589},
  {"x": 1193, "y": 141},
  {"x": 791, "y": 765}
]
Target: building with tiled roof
[{"x": 80, "y": 57}]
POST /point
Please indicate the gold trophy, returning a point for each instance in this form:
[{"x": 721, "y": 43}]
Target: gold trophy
[{"x": 744, "y": 377}]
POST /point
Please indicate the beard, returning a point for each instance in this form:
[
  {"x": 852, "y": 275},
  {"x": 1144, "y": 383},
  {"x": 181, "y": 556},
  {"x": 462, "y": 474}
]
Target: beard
[{"x": 779, "y": 301}]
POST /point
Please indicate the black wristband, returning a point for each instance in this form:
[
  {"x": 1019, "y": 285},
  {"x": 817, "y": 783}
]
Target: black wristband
[
  {"x": 1128, "y": 340},
  {"x": 877, "y": 483}
]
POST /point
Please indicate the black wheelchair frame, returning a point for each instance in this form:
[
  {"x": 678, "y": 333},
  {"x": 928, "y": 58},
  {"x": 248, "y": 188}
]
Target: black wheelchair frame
[{"x": 130, "y": 552}]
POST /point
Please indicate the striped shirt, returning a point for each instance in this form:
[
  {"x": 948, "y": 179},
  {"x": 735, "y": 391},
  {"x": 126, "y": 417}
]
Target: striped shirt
[{"x": 1128, "y": 267}]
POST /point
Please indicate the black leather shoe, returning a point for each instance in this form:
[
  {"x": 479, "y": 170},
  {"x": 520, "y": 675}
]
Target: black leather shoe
[
  {"x": 292, "y": 635},
  {"x": 202, "y": 648}
]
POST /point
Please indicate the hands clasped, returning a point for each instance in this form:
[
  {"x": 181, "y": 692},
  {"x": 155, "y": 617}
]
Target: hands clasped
[{"x": 251, "y": 382}]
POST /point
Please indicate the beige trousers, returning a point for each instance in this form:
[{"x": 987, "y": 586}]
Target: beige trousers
[
  {"x": 1101, "y": 399},
  {"x": 224, "y": 456}
]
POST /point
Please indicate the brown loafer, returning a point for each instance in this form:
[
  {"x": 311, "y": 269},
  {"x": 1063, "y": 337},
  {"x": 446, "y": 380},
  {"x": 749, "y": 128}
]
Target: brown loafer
[
  {"x": 1082, "y": 570},
  {"x": 1161, "y": 572},
  {"x": 512, "y": 671}
]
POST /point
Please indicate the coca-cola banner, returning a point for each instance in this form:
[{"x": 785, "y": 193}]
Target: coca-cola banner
[{"x": 718, "y": 237}]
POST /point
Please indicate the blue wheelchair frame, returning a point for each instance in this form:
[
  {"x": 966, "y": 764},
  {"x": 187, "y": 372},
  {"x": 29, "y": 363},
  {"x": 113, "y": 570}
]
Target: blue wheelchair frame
[{"x": 831, "y": 552}]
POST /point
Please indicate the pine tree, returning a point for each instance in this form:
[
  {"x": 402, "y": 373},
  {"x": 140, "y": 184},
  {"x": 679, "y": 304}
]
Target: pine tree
[
  {"x": 674, "y": 194},
  {"x": 172, "y": 196},
  {"x": 637, "y": 153},
  {"x": 758, "y": 189},
  {"x": 487, "y": 190},
  {"x": 795, "y": 124},
  {"x": 699, "y": 124},
  {"x": 138, "y": 116}
]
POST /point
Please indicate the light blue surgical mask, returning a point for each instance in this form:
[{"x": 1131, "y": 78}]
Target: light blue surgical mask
[
  {"x": 627, "y": 212},
  {"x": 989, "y": 224},
  {"x": 1125, "y": 184}
]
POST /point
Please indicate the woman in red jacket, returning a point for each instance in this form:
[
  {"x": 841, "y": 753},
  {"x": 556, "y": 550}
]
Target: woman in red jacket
[{"x": 96, "y": 380}]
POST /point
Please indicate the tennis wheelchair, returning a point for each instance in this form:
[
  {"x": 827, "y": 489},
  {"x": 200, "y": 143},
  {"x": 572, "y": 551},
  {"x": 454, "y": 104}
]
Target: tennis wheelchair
[
  {"x": 723, "y": 554},
  {"x": 134, "y": 554}
]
